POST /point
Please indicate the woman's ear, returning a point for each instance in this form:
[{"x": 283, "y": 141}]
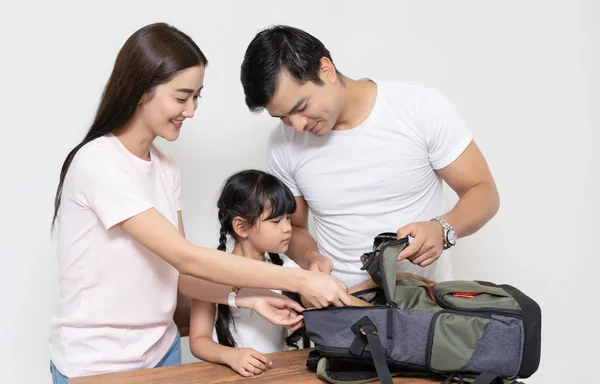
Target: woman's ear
[
  {"x": 146, "y": 97},
  {"x": 240, "y": 227}
]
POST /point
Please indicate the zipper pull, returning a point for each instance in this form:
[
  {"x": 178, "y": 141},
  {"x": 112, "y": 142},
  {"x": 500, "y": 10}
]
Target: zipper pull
[{"x": 466, "y": 295}]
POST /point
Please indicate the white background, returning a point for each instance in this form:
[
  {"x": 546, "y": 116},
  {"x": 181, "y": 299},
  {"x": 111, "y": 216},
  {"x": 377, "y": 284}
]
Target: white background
[{"x": 524, "y": 74}]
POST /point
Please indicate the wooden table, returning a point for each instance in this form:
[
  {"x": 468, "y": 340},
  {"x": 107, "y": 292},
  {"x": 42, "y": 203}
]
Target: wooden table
[{"x": 288, "y": 367}]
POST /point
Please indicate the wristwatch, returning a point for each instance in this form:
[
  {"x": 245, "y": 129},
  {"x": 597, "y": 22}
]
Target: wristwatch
[
  {"x": 449, "y": 232},
  {"x": 232, "y": 295}
]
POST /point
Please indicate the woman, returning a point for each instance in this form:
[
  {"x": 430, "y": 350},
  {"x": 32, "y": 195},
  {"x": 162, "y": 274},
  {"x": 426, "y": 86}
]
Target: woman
[{"x": 121, "y": 245}]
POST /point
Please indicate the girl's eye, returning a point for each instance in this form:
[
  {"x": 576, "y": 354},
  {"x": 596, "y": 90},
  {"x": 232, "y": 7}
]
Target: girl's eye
[
  {"x": 277, "y": 220},
  {"x": 180, "y": 100}
]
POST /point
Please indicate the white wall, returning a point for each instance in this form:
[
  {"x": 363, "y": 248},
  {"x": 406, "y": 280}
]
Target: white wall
[{"x": 524, "y": 75}]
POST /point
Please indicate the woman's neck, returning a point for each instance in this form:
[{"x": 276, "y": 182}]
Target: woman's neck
[
  {"x": 245, "y": 249},
  {"x": 136, "y": 138}
]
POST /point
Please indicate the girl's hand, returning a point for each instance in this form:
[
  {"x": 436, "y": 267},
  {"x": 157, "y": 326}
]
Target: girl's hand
[{"x": 248, "y": 362}]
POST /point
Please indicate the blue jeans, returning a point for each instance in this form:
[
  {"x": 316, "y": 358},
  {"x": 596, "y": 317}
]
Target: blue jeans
[{"x": 173, "y": 357}]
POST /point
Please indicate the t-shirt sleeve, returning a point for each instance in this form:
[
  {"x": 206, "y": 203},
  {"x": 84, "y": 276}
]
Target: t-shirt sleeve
[
  {"x": 109, "y": 190},
  {"x": 446, "y": 134},
  {"x": 176, "y": 185},
  {"x": 278, "y": 160}
]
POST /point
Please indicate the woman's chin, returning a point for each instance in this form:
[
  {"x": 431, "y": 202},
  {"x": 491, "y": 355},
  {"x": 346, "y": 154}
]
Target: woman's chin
[{"x": 170, "y": 136}]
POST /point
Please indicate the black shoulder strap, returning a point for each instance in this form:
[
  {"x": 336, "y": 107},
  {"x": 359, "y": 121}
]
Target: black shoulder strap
[
  {"x": 488, "y": 378},
  {"x": 313, "y": 360},
  {"x": 366, "y": 333}
]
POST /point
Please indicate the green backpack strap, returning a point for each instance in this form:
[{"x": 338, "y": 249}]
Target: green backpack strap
[
  {"x": 491, "y": 378},
  {"x": 325, "y": 374},
  {"x": 485, "y": 378},
  {"x": 353, "y": 377},
  {"x": 322, "y": 367}
]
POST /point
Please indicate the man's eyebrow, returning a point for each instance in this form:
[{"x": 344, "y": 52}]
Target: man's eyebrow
[{"x": 298, "y": 104}]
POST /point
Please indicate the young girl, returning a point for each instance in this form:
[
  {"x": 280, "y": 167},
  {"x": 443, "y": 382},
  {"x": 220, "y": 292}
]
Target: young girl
[
  {"x": 121, "y": 243},
  {"x": 254, "y": 210}
]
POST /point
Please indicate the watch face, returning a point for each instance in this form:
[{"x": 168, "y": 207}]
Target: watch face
[{"x": 451, "y": 237}]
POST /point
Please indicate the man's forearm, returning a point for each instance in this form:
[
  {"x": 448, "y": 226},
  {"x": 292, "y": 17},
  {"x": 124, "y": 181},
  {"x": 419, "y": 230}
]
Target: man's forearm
[
  {"x": 474, "y": 209},
  {"x": 303, "y": 248}
]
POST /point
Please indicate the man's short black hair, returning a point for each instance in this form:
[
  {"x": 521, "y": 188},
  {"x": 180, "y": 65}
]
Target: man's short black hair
[{"x": 274, "y": 49}]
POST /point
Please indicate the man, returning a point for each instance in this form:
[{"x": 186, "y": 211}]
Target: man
[{"x": 365, "y": 157}]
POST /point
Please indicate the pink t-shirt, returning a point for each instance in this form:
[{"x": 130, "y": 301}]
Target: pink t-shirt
[{"x": 116, "y": 298}]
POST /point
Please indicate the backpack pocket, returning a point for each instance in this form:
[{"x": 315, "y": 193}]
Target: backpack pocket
[
  {"x": 474, "y": 295},
  {"x": 330, "y": 329},
  {"x": 475, "y": 343}
]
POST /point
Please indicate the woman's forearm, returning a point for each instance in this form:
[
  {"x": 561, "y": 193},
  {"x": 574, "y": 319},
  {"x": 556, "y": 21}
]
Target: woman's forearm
[
  {"x": 157, "y": 234},
  {"x": 232, "y": 270},
  {"x": 204, "y": 290}
]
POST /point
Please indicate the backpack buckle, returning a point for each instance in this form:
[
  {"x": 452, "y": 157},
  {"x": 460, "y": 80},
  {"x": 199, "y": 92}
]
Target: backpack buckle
[{"x": 373, "y": 330}]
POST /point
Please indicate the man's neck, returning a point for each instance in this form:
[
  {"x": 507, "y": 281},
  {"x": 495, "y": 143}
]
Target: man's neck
[{"x": 358, "y": 100}]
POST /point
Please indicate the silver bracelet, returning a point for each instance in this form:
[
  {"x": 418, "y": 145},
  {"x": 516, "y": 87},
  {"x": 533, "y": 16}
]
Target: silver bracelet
[{"x": 231, "y": 297}]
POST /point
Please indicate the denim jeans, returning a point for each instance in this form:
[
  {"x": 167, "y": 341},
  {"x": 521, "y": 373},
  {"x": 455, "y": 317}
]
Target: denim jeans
[{"x": 173, "y": 357}]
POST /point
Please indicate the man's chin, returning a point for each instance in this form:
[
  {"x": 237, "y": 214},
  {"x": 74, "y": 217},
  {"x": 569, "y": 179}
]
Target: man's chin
[{"x": 321, "y": 131}]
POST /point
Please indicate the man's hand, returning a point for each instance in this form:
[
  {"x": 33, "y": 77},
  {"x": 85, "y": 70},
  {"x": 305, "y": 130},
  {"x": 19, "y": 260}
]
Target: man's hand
[
  {"x": 321, "y": 263},
  {"x": 427, "y": 244}
]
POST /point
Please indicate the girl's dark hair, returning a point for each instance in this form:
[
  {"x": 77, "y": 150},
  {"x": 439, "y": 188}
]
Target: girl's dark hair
[
  {"x": 153, "y": 55},
  {"x": 247, "y": 194}
]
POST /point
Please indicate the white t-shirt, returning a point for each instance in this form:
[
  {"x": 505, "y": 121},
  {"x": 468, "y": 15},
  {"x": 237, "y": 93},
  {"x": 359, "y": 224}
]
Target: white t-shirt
[
  {"x": 250, "y": 330},
  {"x": 253, "y": 331},
  {"x": 375, "y": 177},
  {"x": 116, "y": 298}
]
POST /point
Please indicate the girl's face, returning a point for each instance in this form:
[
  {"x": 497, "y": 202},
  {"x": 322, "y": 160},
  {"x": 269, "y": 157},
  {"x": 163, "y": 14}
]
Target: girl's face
[
  {"x": 171, "y": 103},
  {"x": 271, "y": 235}
]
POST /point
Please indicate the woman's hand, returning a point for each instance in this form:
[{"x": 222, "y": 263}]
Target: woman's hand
[
  {"x": 321, "y": 290},
  {"x": 275, "y": 308},
  {"x": 247, "y": 362}
]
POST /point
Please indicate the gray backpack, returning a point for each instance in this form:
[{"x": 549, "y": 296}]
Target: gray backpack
[{"x": 461, "y": 331}]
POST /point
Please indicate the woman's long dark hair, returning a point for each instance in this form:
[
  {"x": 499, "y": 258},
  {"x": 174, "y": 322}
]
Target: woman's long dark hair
[
  {"x": 247, "y": 194},
  {"x": 153, "y": 55}
]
